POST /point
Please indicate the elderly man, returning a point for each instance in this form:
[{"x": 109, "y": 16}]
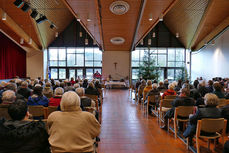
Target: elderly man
[
  {"x": 8, "y": 97},
  {"x": 24, "y": 90},
  {"x": 85, "y": 101},
  {"x": 21, "y": 135},
  {"x": 72, "y": 130}
]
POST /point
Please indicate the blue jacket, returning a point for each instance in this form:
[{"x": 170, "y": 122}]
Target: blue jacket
[{"x": 35, "y": 100}]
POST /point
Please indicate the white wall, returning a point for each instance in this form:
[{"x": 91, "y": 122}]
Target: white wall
[
  {"x": 212, "y": 61},
  {"x": 122, "y": 58},
  {"x": 34, "y": 65}
]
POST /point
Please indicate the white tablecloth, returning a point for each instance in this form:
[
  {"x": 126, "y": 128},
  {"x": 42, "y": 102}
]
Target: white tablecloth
[{"x": 110, "y": 83}]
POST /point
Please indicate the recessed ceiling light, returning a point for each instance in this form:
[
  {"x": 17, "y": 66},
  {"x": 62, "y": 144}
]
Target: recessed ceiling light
[
  {"x": 88, "y": 20},
  {"x": 117, "y": 40},
  {"x": 4, "y": 16},
  {"x": 21, "y": 41},
  {"x": 30, "y": 41},
  {"x": 177, "y": 35},
  {"x": 56, "y": 34},
  {"x": 150, "y": 19},
  {"x": 154, "y": 34}
]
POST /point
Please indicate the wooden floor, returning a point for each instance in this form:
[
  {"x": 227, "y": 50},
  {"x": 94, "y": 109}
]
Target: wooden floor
[{"x": 126, "y": 130}]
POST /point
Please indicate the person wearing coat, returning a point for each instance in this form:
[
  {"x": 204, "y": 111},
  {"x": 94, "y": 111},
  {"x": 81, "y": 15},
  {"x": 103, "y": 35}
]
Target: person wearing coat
[{"x": 38, "y": 98}]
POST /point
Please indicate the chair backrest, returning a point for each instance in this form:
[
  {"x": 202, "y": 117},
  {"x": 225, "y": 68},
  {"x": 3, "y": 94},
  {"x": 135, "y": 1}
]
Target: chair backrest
[
  {"x": 170, "y": 96},
  {"x": 212, "y": 125},
  {"x": 4, "y": 111},
  {"x": 166, "y": 103},
  {"x": 184, "y": 111},
  {"x": 95, "y": 98},
  {"x": 52, "y": 109},
  {"x": 36, "y": 110},
  {"x": 154, "y": 98},
  {"x": 222, "y": 102}
]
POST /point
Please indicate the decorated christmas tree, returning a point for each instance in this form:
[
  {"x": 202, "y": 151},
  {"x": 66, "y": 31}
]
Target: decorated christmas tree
[{"x": 148, "y": 69}]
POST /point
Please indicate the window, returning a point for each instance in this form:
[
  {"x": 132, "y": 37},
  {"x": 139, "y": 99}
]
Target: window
[
  {"x": 67, "y": 62},
  {"x": 170, "y": 61}
]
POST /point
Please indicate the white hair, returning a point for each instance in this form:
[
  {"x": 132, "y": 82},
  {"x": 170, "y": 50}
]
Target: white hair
[
  {"x": 59, "y": 91},
  {"x": 37, "y": 85},
  {"x": 24, "y": 84},
  {"x": 174, "y": 83},
  {"x": 8, "y": 96},
  {"x": 154, "y": 86},
  {"x": 57, "y": 83},
  {"x": 69, "y": 101},
  {"x": 171, "y": 86},
  {"x": 211, "y": 99},
  {"x": 77, "y": 85},
  {"x": 80, "y": 91}
]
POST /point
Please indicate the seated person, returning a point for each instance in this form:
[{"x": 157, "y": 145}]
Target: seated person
[
  {"x": 97, "y": 75},
  {"x": 72, "y": 81},
  {"x": 209, "y": 111},
  {"x": 141, "y": 88},
  {"x": 72, "y": 130},
  {"x": 38, "y": 98},
  {"x": 218, "y": 90},
  {"x": 47, "y": 91},
  {"x": 20, "y": 135},
  {"x": 148, "y": 87},
  {"x": 97, "y": 84},
  {"x": 153, "y": 92},
  {"x": 85, "y": 83},
  {"x": 91, "y": 90},
  {"x": 24, "y": 90},
  {"x": 69, "y": 87},
  {"x": 161, "y": 86},
  {"x": 170, "y": 91},
  {"x": 85, "y": 101},
  {"x": 8, "y": 97},
  {"x": 182, "y": 100},
  {"x": 55, "y": 101}
]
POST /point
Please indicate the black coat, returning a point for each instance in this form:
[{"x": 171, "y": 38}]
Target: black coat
[
  {"x": 207, "y": 112},
  {"x": 23, "y": 137},
  {"x": 179, "y": 101},
  {"x": 91, "y": 91},
  {"x": 25, "y": 92}
]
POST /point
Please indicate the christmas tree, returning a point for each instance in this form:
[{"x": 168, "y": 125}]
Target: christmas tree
[{"x": 148, "y": 69}]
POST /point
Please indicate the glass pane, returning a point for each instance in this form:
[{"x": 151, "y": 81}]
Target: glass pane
[
  {"x": 89, "y": 73},
  {"x": 162, "y": 60},
  {"x": 135, "y": 73},
  {"x": 179, "y": 64},
  {"x": 80, "y": 50},
  {"x": 71, "y": 60},
  {"x": 88, "y": 53},
  {"x": 135, "y": 55},
  {"x": 153, "y": 50},
  {"x": 142, "y": 53},
  {"x": 171, "y": 54},
  {"x": 170, "y": 74},
  {"x": 179, "y": 54},
  {"x": 178, "y": 74},
  {"x": 53, "y": 63},
  {"x": 53, "y": 54},
  {"x": 62, "y": 63},
  {"x": 80, "y": 73},
  {"x": 88, "y": 63},
  {"x": 70, "y": 50},
  {"x": 80, "y": 60},
  {"x": 161, "y": 50},
  {"x": 171, "y": 64},
  {"x": 62, "y": 74},
  {"x": 161, "y": 75},
  {"x": 62, "y": 54},
  {"x": 54, "y": 74},
  {"x": 97, "y": 54},
  {"x": 97, "y": 64},
  {"x": 135, "y": 63},
  {"x": 71, "y": 73}
]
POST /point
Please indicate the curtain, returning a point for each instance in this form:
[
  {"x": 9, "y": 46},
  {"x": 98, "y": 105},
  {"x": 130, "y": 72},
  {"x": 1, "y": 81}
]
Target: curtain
[{"x": 12, "y": 59}]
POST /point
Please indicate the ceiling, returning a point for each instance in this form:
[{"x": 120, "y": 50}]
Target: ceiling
[{"x": 196, "y": 21}]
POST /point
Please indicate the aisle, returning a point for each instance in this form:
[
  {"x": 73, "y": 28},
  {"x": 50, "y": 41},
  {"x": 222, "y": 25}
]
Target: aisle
[{"x": 126, "y": 130}]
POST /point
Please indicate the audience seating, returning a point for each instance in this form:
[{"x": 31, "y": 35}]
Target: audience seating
[
  {"x": 51, "y": 109},
  {"x": 216, "y": 126},
  {"x": 152, "y": 101},
  {"x": 170, "y": 96},
  {"x": 4, "y": 111},
  {"x": 222, "y": 102},
  {"x": 181, "y": 114},
  {"x": 165, "y": 105},
  {"x": 37, "y": 111},
  {"x": 95, "y": 98}
]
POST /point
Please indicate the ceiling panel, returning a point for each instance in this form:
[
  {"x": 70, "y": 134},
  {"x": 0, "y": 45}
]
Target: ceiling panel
[{"x": 184, "y": 18}]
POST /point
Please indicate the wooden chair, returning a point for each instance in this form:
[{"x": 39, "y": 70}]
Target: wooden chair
[
  {"x": 95, "y": 98},
  {"x": 165, "y": 105},
  {"x": 222, "y": 102},
  {"x": 216, "y": 126},
  {"x": 140, "y": 95},
  {"x": 170, "y": 96},
  {"x": 101, "y": 95},
  {"x": 152, "y": 101},
  {"x": 37, "y": 111},
  {"x": 182, "y": 112},
  {"x": 51, "y": 109},
  {"x": 4, "y": 111}
]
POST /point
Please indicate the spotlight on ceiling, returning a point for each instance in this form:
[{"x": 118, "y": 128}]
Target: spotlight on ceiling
[
  {"x": 4, "y": 16},
  {"x": 52, "y": 26},
  {"x": 177, "y": 35},
  {"x": 25, "y": 7},
  {"x": 161, "y": 17},
  {"x": 34, "y": 13},
  {"x": 56, "y": 34},
  {"x": 41, "y": 19},
  {"x": 86, "y": 41},
  {"x": 154, "y": 34},
  {"x": 18, "y": 3}
]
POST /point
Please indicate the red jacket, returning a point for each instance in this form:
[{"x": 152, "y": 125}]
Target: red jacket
[
  {"x": 168, "y": 92},
  {"x": 54, "y": 101}
]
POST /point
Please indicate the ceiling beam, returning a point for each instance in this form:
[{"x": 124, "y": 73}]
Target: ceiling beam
[
  {"x": 9, "y": 22},
  {"x": 155, "y": 23},
  {"x": 82, "y": 24},
  {"x": 223, "y": 25},
  {"x": 100, "y": 24},
  {"x": 140, "y": 14},
  {"x": 201, "y": 24}
]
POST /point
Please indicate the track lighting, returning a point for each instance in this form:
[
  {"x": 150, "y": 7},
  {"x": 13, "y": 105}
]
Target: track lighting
[
  {"x": 41, "y": 19},
  {"x": 4, "y": 16},
  {"x": 177, "y": 35},
  {"x": 149, "y": 41},
  {"x": 154, "y": 34},
  {"x": 141, "y": 42},
  {"x": 25, "y": 7},
  {"x": 56, "y": 34},
  {"x": 86, "y": 41}
]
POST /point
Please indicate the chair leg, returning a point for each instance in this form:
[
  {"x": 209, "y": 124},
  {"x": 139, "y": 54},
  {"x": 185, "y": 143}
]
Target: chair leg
[
  {"x": 214, "y": 143},
  {"x": 208, "y": 144},
  {"x": 187, "y": 144},
  {"x": 197, "y": 145},
  {"x": 168, "y": 126},
  {"x": 175, "y": 128}
]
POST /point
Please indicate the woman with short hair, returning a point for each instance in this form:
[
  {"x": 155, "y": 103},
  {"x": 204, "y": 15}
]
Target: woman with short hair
[{"x": 55, "y": 101}]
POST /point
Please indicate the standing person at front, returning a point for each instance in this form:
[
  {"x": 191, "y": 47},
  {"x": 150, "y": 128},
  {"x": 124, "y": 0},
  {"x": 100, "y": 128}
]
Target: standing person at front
[{"x": 72, "y": 130}]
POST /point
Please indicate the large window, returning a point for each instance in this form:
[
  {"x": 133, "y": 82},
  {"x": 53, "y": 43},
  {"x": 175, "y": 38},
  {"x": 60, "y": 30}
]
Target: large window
[
  {"x": 67, "y": 62},
  {"x": 170, "y": 61}
]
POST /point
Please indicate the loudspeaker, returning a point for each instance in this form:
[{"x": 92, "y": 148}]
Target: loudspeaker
[{"x": 25, "y": 7}]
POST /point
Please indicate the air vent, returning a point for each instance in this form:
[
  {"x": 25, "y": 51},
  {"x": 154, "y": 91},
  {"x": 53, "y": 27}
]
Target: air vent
[
  {"x": 119, "y": 7},
  {"x": 117, "y": 40}
]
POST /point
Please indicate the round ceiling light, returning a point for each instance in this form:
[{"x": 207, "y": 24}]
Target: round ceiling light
[
  {"x": 119, "y": 7},
  {"x": 117, "y": 40}
]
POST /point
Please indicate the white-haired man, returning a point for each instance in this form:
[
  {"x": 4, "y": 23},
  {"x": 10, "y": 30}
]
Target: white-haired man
[
  {"x": 24, "y": 90},
  {"x": 8, "y": 97},
  {"x": 72, "y": 130}
]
